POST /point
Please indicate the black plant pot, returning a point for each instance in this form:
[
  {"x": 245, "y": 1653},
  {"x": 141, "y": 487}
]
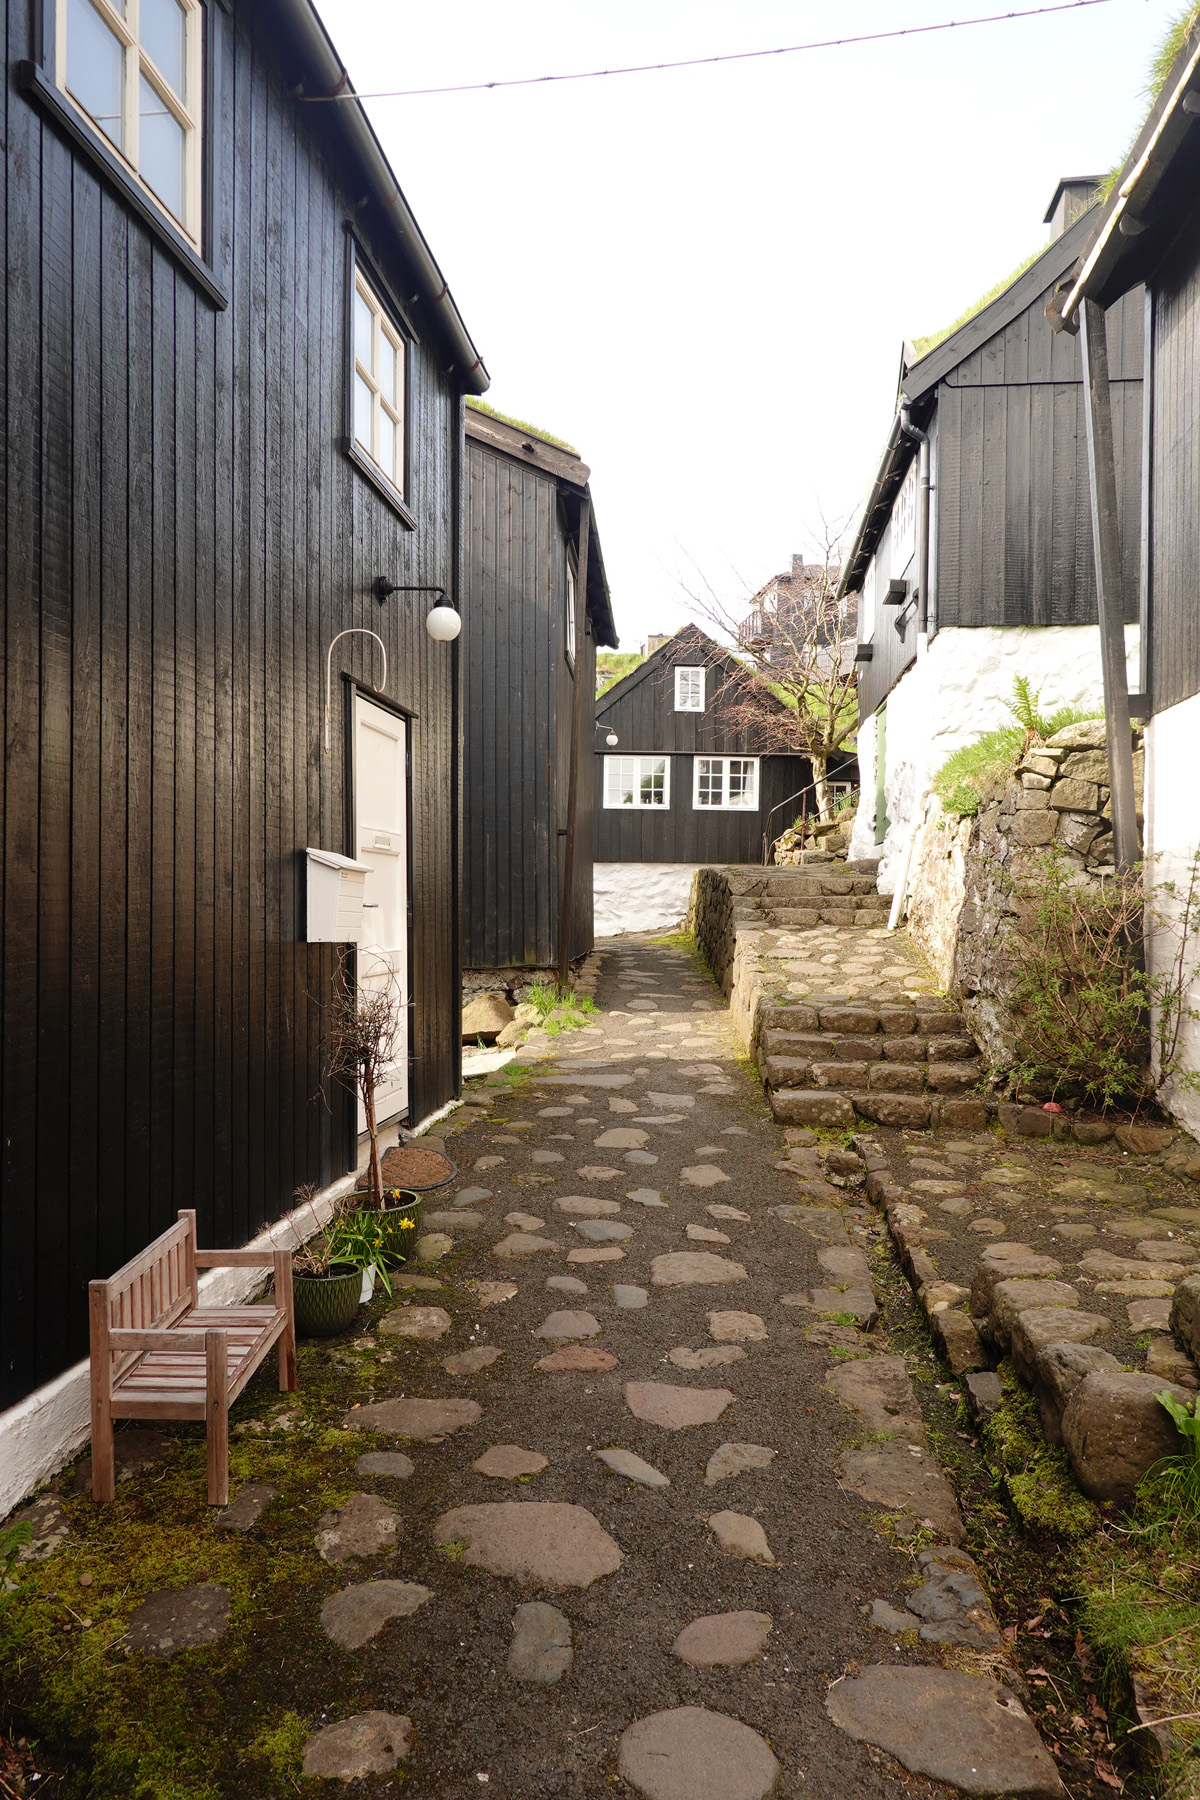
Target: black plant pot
[
  {"x": 402, "y": 1220},
  {"x": 327, "y": 1304}
]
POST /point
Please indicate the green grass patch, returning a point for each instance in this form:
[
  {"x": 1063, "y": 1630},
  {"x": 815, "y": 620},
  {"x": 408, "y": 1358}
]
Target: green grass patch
[
  {"x": 1038, "y": 1478},
  {"x": 979, "y": 772},
  {"x": 560, "y": 1011},
  {"x": 494, "y": 412}
]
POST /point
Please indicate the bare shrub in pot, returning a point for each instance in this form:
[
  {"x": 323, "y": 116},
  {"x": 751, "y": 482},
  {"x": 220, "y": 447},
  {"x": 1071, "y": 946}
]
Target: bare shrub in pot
[{"x": 361, "y": 1033}]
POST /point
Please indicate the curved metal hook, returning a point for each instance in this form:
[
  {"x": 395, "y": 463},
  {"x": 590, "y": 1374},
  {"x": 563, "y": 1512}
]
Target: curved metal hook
[{"x": 350, "y": 631}]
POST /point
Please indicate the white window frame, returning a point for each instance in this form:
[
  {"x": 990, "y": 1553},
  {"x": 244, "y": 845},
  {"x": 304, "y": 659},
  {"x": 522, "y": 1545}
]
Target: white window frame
[
  {"x": 382, "y": 326},
  {"x": 689, "y": 693},
  {"x": 749, "y": 800},
  {"x": 570, "y": 619},
  {"x": 187, "y": 109},
  {"x": 637, "y": 803}
]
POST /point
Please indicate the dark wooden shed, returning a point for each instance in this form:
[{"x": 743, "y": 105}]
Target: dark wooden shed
[
  {"x": 526, "y": 497},
  {"x": 211, "y": 454}
]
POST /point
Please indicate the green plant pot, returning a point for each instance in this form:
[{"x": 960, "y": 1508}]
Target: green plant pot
[
  {"x": 400, "y": 1241},
  {"x": 327, "y": 1304}
]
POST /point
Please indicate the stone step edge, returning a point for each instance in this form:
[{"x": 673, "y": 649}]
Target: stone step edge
[
  {"x": 955, "y": 1331},
  {"x": 829, "y": 1109}
]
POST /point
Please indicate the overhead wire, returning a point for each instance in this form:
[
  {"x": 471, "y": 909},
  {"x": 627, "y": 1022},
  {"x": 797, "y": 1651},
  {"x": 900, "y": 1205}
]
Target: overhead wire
[{"x": 698, "y": 62}]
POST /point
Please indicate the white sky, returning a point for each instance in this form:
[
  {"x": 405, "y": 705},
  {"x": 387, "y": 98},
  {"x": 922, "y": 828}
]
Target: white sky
[{"x": 702, "y": 278}]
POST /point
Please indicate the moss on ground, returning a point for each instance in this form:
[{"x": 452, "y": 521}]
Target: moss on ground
[
  {"x": 1037, "y": 1476},
  {"x": 181, "y": 1729},
  {"x": 1139, "y": 1594}
]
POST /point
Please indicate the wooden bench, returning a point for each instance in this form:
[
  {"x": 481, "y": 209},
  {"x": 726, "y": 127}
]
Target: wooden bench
[{"x": 158, "y": 1354}]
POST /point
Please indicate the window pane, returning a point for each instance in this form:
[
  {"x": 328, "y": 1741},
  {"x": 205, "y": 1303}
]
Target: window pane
[
  {"x": 708, "y": 782},
  {"x": 362, "y": 413},
  {"x": 739, "y": 781},
  {"x": 387, "y": 445},
  {"x": 161, "y": 29},
  {"x": 95, "y": 65},
  {"x": 363, "y": 320},
  {"x": 387, "y": 367},
  {"x": 160, "y": 148},
  {"x": 653, "y": 779}
]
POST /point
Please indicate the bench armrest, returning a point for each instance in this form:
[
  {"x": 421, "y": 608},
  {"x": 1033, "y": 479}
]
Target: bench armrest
[{"x": 162, "y": 1338}]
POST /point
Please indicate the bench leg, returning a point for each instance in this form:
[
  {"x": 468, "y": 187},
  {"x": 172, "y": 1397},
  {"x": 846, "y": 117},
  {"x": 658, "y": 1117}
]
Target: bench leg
[
  {"x": 216, "y": 1416},
  {"x": 287, "y": 1343},
  {"x": 104, "y": 1474}
]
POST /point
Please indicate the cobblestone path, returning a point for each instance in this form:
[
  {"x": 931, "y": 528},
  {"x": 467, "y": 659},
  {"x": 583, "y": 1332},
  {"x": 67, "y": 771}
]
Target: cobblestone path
[{"x": 655, "y": 1435}]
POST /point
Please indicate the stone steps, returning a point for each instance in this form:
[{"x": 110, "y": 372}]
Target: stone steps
[{"x": 890, "y": 1064}]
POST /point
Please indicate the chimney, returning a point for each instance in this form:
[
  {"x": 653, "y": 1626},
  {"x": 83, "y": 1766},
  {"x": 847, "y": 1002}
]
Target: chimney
[
  {"x": 654, "y": 640},
  {"x": 1073, "y": 196}
]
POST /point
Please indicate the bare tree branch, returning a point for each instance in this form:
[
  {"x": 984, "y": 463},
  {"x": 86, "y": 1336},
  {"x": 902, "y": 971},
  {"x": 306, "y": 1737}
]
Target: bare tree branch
[{"x": 795, "y": 687}]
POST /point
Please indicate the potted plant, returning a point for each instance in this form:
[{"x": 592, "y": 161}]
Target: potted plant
[
  {"x": 362, "y": 1029},
  {"x": 400, "y": 1218},
  {"x": 337, "y": 1270}
]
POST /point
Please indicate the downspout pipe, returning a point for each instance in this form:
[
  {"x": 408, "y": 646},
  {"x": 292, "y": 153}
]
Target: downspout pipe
[
  {"x": 921, "y": 439},
  {"x": 328, "y": 81}
]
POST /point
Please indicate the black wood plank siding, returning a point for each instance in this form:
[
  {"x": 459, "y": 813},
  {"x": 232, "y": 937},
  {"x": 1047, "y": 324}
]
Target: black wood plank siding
[
  {"x": 184, "y": 535},
  {"x": 1013, "y": 519},
  {"x": 1174, "y": 661},
  {"x": 517, "y": 686}
]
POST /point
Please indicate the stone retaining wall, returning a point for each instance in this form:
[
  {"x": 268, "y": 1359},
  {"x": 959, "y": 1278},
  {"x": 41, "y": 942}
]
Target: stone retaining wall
[
  {"x": 726, "y": 923},
  {"x": 964, "y": 871}
]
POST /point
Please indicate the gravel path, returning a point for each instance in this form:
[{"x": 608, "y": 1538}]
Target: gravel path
[{"x": 647, "y": 1563}]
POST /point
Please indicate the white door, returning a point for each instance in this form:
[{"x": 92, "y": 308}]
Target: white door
[{"x": 381, "y": 841}]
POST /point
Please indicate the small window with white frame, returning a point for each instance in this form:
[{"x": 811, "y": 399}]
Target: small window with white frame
[
  {"x": 642, "y": 781},
  {"x": 570, "y": 619},
  {"x": 377, "y": 385},
  {"x": 689, "y": 690},
  {"x": 135, "y": 70},
  {"x": 725, "y": 783}
]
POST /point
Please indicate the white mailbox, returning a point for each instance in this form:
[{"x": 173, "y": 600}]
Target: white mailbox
[{"x": 335, "y": 897}]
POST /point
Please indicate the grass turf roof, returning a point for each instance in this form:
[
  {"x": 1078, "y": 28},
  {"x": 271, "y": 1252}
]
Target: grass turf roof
[
  {"x": 536, "y": 431},
  {"x": 1163, "y": 61},
  {"x": 923, "y": 346}
]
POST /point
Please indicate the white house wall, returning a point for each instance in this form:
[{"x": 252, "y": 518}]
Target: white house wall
[
  {"x": 956, "y": 690},
  {"x": 1172, "y": 838},
  {"x": 640, "y": 896}
]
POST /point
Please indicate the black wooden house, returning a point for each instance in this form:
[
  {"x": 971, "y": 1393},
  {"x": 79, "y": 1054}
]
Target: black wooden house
[
  {"x": 1146, "y": 238},
  {"x": 234, "y": 382},
  {"x": 972, "y": 558},
  {"x": 530, "y": 635},
  {"x": 696, "y": 775}
]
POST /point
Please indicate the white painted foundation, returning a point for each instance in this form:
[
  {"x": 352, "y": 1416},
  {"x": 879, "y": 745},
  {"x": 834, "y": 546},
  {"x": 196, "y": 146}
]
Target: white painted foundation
[
  {"x": 640, "y": 896},
  {"x": 1172, "y": 838},
  {"x": 956, "y": 690}
]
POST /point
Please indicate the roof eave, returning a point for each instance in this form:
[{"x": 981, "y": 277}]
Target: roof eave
[
  {"x": 326, "y": 77},
  {"x": 1134, "y": 189}
]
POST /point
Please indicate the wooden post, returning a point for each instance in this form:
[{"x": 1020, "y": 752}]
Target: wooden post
[
  {"x": 566, "y": 910},
  {"x": 286, "y": 1300},
  {"x": 1106, "y": 548},
  {"x": 103, "y": 1465},
  {"x": 216, "y": 1416}
]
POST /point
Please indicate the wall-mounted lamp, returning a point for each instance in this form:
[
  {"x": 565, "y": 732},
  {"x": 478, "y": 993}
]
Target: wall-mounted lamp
[
  {"x": 442, "y": 623},
  {"x": 612, "y": 740},
  {"x": 351, "y": 631}
]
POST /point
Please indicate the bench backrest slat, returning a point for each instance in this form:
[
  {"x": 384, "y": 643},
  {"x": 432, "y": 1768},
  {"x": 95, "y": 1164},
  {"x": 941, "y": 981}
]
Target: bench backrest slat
[{"x": 155, "y": 1288}]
